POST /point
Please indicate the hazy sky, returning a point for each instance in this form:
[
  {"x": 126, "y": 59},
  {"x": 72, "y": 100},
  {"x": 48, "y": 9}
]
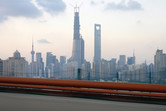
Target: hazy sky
[{"x": 126, "y": 25}]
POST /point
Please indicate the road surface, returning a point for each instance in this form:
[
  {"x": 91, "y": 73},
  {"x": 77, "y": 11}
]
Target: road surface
[{"x": 30, "y": 102}]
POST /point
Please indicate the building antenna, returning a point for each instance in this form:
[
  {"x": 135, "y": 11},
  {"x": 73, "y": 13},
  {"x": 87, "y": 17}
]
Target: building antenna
[
  {"x": 71, "y": 5},
  {"x": 32, "y": 40},
  {"x": 76, "y": 8},
  {"x": 77, "y": 4},
  {"x": 32, "y": 52},
  {"x": 81, "y": 3}
]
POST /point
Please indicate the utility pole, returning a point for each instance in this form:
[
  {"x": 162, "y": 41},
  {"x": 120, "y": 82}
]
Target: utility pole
[
  {"x": 117, "y": 76},
  {"x": 150, "y": 77},
  {"x": 88, "y": 75},
  {"x": 79, "y": 74}
]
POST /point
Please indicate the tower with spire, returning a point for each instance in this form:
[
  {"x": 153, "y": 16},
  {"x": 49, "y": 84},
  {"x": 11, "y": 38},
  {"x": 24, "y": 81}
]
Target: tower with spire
[
  {"x": 33, "y": 63},
  {"x": 32, "y": 52},
  {"x": 78, "y": 42}
]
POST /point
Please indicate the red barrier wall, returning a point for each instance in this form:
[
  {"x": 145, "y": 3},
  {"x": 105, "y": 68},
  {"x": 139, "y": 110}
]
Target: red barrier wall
[{"x": 86, "y": 84}]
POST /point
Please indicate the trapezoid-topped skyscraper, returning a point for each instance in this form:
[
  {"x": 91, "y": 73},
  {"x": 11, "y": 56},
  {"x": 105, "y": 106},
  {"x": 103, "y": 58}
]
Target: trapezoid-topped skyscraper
[
  {"x": 97, "y": 52},
  {"x": 78, "y": 42},
  {"x": 97, "y": 43}
]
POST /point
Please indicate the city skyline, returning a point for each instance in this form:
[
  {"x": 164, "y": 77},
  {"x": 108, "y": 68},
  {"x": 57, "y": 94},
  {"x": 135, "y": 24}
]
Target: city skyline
[{"x": 123, "y": 29}]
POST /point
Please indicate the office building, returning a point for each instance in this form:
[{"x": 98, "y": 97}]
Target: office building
[
  {"x": 122, "y": 60},
  {"x": 62, "y": 60},
  {"x": 52, "y": 66},
  {"x": 39, "y": 65}
]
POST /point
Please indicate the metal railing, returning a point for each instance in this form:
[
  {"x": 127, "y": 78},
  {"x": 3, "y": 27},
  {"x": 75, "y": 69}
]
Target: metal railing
[{"x": 90, "y": 88}]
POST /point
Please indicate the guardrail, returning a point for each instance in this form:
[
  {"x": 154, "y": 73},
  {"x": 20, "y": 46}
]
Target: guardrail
[{"x": 111, "y": 89}]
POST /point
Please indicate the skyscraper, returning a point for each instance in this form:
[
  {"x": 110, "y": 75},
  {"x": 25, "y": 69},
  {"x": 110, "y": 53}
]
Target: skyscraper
[
  {"x": 159, "y": 65},
  {"x": 52, "y": 66},
  {"x": 62, "y": 60},
  {"x": 38, "y": 55},
  {"x": 78, "y": 42},
  {"x": 49, "y": 58},
  {"x": 97, "y": 43},
  {"x": 62, "y": 66},
  {"x": 122, "y": 60},
  {"x": 49, "y": 69},
  {"x": 131, "y": 60},
  {"x": 39, "y": 65},
  {"x": 97, "y": 53}
]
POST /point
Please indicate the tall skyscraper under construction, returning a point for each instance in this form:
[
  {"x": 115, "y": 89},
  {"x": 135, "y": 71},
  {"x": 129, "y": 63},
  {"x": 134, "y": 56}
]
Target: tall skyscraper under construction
[{"x": 78, "y": 42}]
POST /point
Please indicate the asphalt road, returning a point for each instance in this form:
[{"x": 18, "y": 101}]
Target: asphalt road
[{"x": 29, "y": 102}]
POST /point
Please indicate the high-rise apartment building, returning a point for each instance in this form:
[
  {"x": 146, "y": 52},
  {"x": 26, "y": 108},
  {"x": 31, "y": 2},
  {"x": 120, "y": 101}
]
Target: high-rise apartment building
[
  {"x": 159, "y": 65},
  {"x": 158, "y": 61},
  {"x": 15, "y": 66}
]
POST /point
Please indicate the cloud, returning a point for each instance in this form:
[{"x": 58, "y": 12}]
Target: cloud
[
  {"x": 43, "y": 21},
  {"x": 139, "y": 22},
  {"x": 2, "y": 18},
  {"x": 52, "y": 6},
  {"x": 93, "y": 3},
  {"x": 43, "y": 41},
  {"x": 102, "y": 2},
  {"x": 17, "y": 8},
  {"x": 124, "y": 5}
]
